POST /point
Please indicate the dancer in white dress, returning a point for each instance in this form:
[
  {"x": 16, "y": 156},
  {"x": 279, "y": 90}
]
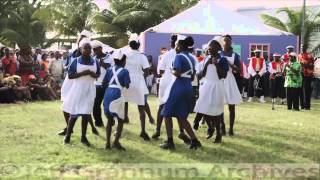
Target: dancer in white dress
[
  {"x": 211, "y": 91},
  {"x": 137, "y": 64},
  {"x": 232, "y": 93},
  {"x": 67, "y": 83},
  {"x": 80, "y": 99}
]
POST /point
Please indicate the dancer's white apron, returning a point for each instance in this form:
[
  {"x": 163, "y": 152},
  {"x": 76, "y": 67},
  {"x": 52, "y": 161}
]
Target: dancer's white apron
[
  {"x": 117, "y": 105},
  {"x": 67, "y": 83},
  {"x": 232, "y": 94},
  {"x": 167, "y": 76},
  {"x": 81, "y": 95},
  {"x": 211, "y": 94}
]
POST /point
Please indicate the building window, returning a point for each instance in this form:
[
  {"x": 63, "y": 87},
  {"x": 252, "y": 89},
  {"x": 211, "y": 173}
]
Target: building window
[
  {"x": 265, "y": 49},
  {"x": 317, "y": 29}
]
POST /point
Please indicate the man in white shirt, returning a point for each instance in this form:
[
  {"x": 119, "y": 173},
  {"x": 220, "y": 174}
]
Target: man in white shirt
[{"x": 56, "y": 67}]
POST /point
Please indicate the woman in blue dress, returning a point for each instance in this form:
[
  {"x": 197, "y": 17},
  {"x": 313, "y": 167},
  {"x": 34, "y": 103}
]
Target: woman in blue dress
[
  {"x": 116, "y": 79},
  {"x": 178, "y": 96}
]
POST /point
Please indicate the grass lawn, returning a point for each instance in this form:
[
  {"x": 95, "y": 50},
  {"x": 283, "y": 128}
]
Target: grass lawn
[{"x": 28, "y": 137}]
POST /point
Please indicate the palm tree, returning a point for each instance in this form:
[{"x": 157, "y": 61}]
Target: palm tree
[
  {"x": 21, "y": 28},
  {"x": 135, "y": 16},
  {"x": 294, "y": 23}
]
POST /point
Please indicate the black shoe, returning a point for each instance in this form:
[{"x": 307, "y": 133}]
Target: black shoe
[
  {"x": 99, "y": 124},
  {"x": 63, "y": 132},
  {"x": 231, "y": 132},
  {"x": 196, "y": 125},
  {"x": 168, "y": 146},
  {"x": 85, "y": 141},
  {"x": 118, "y": 146},
  {"x": 66, "y": 140},
  {"x": 223, "y": 130},
  {"x": 218, "y": 139},
  {"x": 145, "y": 136},
  {"x": 210, "y": 133},
  {"x": 184, "y": 138},
  {"x": 195, "y": 144},
  {"x": 95, "y": 131},
  {"x": 156, "y": 135}
]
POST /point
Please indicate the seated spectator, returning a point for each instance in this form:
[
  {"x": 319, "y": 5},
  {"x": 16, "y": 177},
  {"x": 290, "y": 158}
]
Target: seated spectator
[
  {"x": 39, "y": 90},
  {"x": 6, "y": 91}
]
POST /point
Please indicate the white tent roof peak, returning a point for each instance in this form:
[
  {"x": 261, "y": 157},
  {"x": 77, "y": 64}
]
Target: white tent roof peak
[{"x": 207, "y": 17}]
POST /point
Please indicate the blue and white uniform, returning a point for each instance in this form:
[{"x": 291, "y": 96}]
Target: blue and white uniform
[
  {"x": 107, "y": 60},
  {"x": 232, "y": 94},
  {"x": 117, "y": 78},
  {"x": 211, "y": 90},
  {"x": 80, "y": 97},
  {"x": 178, "y": 96}
]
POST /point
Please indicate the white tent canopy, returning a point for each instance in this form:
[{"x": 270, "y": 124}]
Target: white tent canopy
[{"x": 207, "y": 17}]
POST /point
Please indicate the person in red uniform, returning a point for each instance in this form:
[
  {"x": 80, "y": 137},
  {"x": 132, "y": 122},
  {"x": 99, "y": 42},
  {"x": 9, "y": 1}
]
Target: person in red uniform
[
  {"x": 256, "y": 69},
  {"x": 9, "y": 62},
  {"x": 276, "y": 69},
  {"x": 307, "y": 63},
  {"x": 285, "y": 57}
]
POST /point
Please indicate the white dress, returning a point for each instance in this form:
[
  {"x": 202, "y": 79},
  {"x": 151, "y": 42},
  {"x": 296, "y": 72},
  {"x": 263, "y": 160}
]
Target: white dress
[
  {"x": 67, "y": 83},
  {"x": 82, "y": 92},
  {"x": 232, "y": 94},
  {"x": 136, "y": 62},
  {"x": 165, "y": 65},
  {"x": 211, "y": 93}
]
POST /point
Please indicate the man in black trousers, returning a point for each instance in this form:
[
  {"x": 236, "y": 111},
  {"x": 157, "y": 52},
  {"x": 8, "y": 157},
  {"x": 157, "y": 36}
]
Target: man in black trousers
[{"x": 105, "y": 61}]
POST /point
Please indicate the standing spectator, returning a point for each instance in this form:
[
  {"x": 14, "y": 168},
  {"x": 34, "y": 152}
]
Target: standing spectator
[
  {"x": 9, "y": 62},
  {"x": 307, "y": 63},
  {"x": 26, "y": 64},
  {"x": 316, "y": 74},
  {"x": 293, "y": 82},
  {"x": 44, "y": 66},
  {"x": 56, "y": 68},
  {"x": 37, "y": 55}
]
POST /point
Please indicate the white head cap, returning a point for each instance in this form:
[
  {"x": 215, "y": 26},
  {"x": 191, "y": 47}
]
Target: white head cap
[
  {"x": 219, "y": 40},
  {"x": 1, "y": 45},
  {"x": 290, "y": 47},
  {"x": 86, "y": 33},
  {"x": 257, "y": 51},
  {"x": 96, "y": 44},
  {"x": 134, "y": 37},
  {"x": 84, "y": 41},
  {"x": 181, "y": 37},
  {"x": 293, "y": 54},
  {"x": 117, "y": 54}
]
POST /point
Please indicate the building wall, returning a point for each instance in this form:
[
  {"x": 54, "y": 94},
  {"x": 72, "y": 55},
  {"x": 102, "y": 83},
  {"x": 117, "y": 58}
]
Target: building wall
[{"x": 153, "y": 42}]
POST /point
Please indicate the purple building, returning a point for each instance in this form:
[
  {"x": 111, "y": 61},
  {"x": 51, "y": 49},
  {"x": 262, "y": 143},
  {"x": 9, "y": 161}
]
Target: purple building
[{"x": 207, "y": 19}]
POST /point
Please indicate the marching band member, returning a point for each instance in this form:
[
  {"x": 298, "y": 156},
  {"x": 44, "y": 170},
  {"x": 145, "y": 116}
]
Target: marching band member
[
  {"x": 293, "y": 81},
  {"x": 276, "y": 69},
  {"x": 116, "y": 79},
  {"x": 256, "y": 69},
  {"x": 232, "y": 93},
  {"x": 211, "y": 91},
  {"x": 286, "y": 57},
  {"x": 307, "y": 62},
  {"x": 178, "y": 96}
]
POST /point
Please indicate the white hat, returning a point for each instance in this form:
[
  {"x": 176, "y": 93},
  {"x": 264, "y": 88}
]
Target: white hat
[
  {"x": 134, "y": 37},
  {"x": 84, "y": 41},
  {"x": 219, "y": 40},
  {"x": 181, "y": 37},
  {"x": 107, "y": 48},
  {"x": 257, "y": 50},
  {"x": 293, "y": 54},
  {"x": 290, "y": 47},
  {"x": 276, "y": 55},
  {"x": 1, "y": 45},
  {"x": 117, "y": 54},
  {"x": 96, "y": 44},
  {"x": 86, "y": 33}
]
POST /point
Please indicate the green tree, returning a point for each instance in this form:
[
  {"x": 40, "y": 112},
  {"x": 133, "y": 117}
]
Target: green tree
[
  {"x": 294, "y": 23},
  {"x": 19, "y": 26}
]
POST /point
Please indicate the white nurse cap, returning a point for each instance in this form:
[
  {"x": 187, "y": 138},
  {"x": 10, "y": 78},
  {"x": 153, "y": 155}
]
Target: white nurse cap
[
  {"x": 96, "y": 44},
  {"x": 86, "y": 33}
]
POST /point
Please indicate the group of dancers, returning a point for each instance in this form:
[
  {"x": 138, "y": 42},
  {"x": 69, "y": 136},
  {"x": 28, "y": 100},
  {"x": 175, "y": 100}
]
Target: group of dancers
[{"x": 118, "y": 78}]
